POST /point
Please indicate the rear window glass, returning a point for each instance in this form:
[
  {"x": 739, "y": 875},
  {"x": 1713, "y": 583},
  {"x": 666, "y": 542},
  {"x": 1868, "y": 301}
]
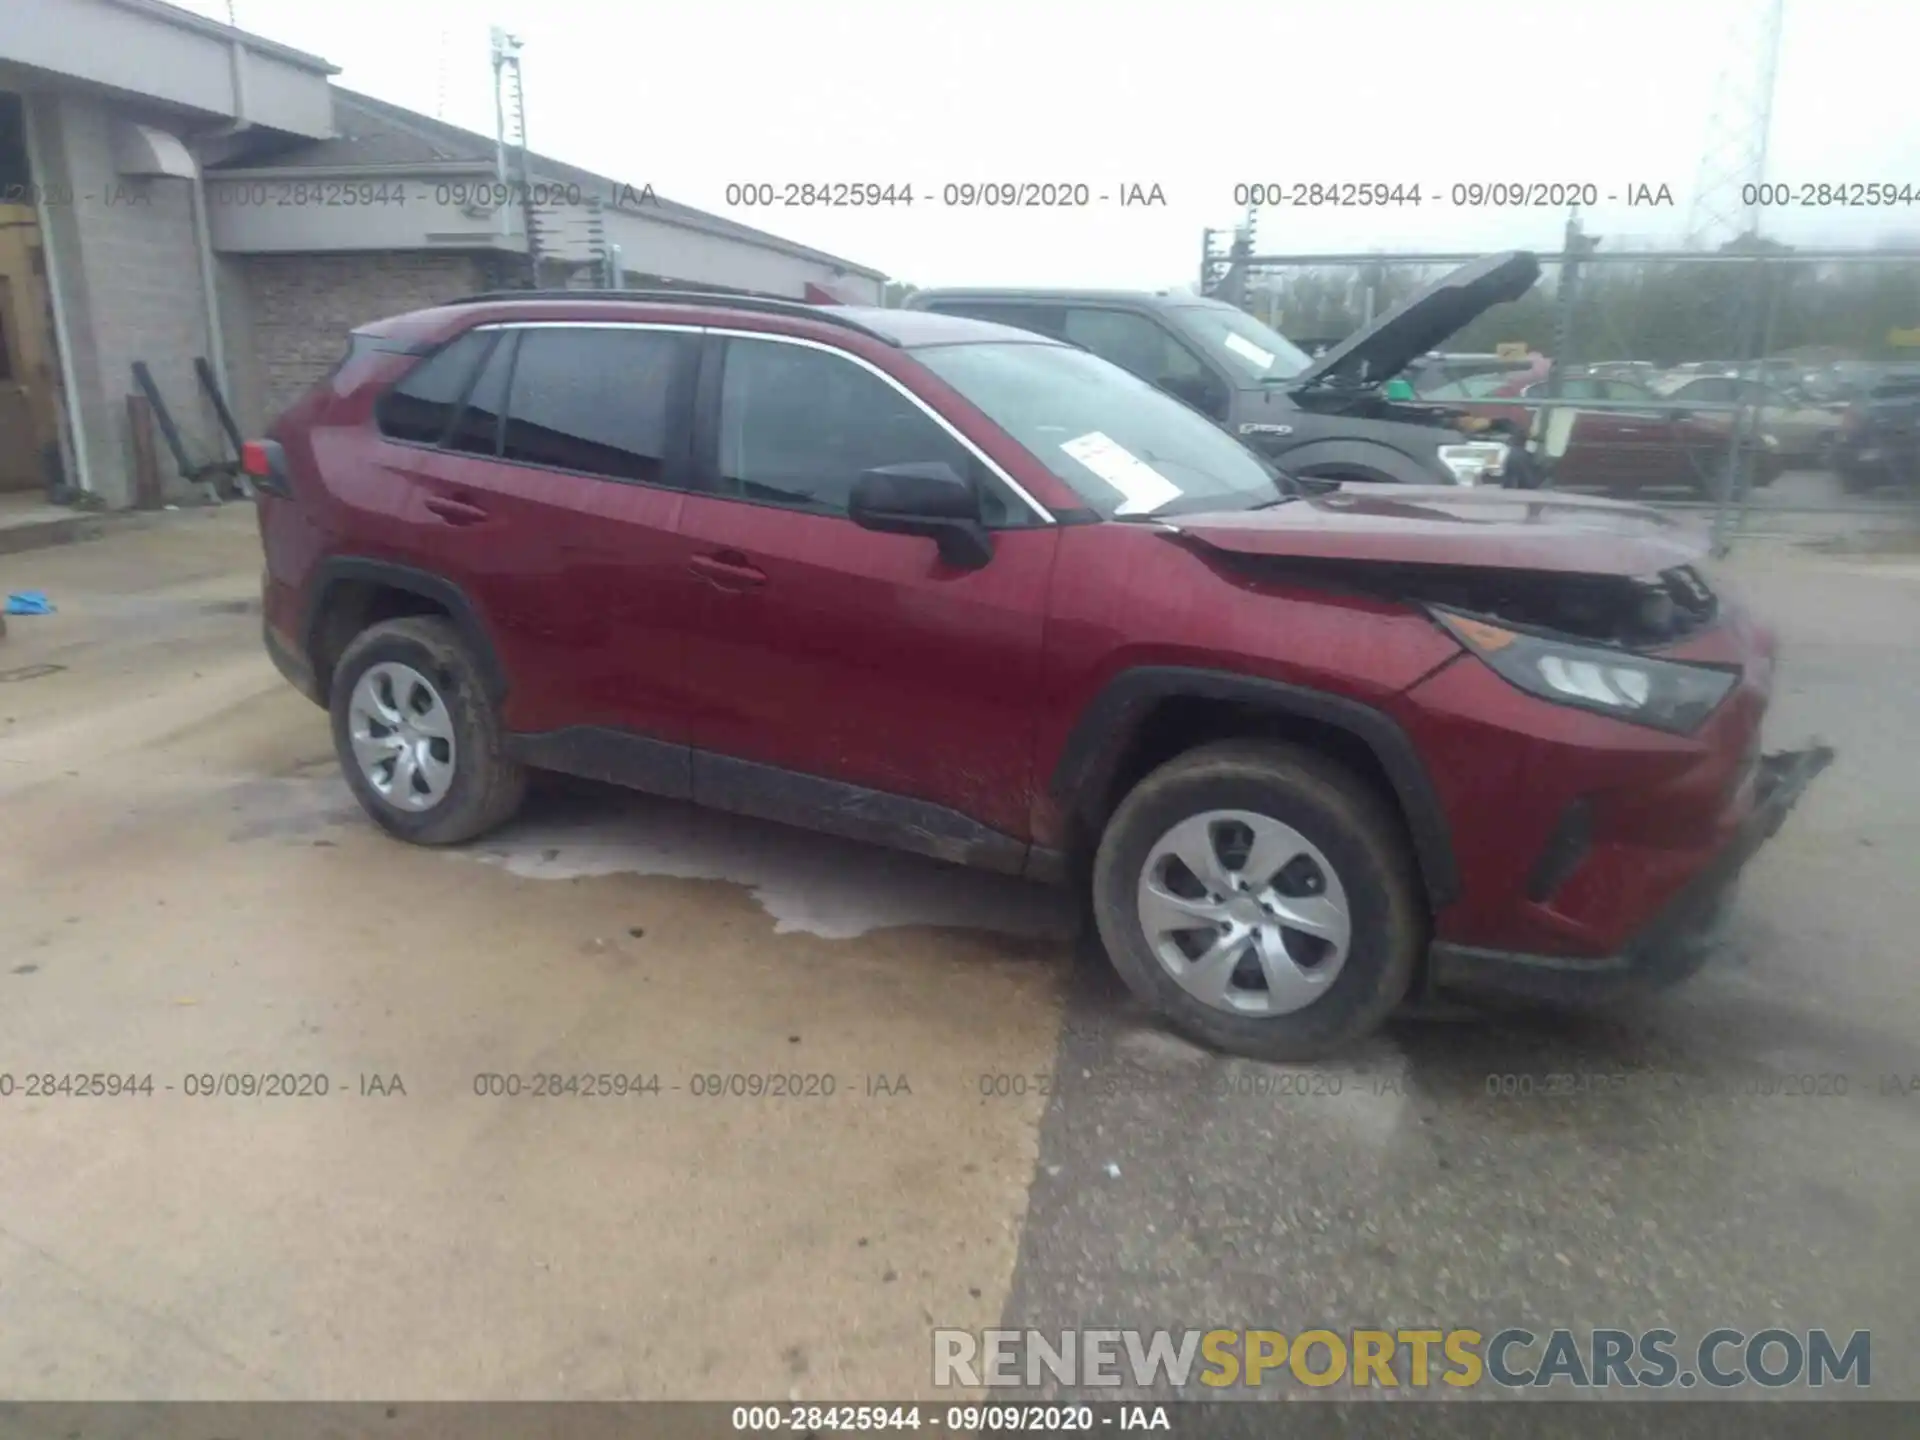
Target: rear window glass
[
  {"x": 477, "y": 431},
  {"x": 596, "y": 401},
  {"x": 421, "y": 407}
]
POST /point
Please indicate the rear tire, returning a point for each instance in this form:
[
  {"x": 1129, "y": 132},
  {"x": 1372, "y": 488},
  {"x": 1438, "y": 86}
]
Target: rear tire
[
  {"x": 418, "y": 737},
  {"x": 1277, "y": 998}
]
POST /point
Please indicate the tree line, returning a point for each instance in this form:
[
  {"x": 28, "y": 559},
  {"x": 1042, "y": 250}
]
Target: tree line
[{"x": 1664, "y": 312}]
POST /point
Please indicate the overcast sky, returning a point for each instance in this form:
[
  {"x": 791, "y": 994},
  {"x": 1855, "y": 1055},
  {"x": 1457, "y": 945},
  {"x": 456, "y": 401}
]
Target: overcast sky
[{"x": 1193, "y": 96}]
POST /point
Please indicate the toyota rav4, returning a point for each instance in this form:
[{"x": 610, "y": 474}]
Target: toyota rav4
[{"x": 960, "y": 588}]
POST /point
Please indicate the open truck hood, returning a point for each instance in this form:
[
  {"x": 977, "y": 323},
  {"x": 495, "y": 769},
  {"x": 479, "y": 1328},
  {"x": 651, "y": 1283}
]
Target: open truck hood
[
  {"x": 1376, "y": 354},
  {"x": 1457, "y": 527}
]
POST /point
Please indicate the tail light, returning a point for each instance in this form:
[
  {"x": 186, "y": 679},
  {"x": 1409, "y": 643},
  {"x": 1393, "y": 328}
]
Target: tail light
[
  {"x": 265, "y": 463},
  {"x": 254, "y": 461}
]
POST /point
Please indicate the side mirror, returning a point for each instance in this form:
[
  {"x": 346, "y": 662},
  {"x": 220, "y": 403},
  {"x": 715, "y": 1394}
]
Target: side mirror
[{"x": 924, "y": 498}]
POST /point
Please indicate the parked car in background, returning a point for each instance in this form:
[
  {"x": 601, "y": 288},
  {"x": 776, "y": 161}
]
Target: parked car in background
[
  {"x": 1623, "y": 451},
  {"x": 957, "y": 588},
  {"x": 1688, "y": 369},
  {"x": 1805, "y": 429},
  {"x": 1431, "y": 372},
  {"x": 1325, "y": 419},
  {"x": 1878, "y": 441},
  {"x": 1643, "y": 371},
  {"x": 1850, "y": 379}
]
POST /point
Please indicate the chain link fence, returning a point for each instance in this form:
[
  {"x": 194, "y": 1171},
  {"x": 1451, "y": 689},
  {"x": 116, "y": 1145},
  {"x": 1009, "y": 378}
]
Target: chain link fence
[{"x": 1771, "y": 390}]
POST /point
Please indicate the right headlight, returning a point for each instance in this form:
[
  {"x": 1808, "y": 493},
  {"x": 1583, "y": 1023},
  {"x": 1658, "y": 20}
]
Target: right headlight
[{"x": 1668, "y": 695}]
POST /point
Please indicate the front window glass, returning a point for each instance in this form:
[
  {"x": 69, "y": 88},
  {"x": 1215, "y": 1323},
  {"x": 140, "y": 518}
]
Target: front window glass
[{"x": 798, "y": 426}]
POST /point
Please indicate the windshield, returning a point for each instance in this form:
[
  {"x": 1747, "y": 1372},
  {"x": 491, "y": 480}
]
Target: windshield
[
  {"x": 1257, "y": 351},
  {"x": 1124, "y": 447}
]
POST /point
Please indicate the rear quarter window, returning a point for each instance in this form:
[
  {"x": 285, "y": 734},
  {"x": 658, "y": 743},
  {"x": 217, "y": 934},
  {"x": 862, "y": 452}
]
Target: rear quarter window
[{"x": 421, "y": 405}]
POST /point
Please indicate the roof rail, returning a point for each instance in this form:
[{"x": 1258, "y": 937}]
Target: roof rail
[{"x": 760, "y": 304}]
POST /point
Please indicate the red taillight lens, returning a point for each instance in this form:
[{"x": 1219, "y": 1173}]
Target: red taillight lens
[{"x": 254, "y": 461}]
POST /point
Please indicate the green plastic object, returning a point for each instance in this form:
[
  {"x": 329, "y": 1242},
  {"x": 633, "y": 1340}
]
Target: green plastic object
[{"x": 1399, "y": 390}]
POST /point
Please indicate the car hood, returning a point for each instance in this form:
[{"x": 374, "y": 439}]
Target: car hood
[
  {"x": 1456, "y": 526},
  {"x": 1385, "y": 348}
]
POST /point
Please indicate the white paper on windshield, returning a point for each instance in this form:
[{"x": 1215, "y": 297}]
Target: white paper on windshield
[
  {"x": 1250, "y": 350},
  {"x": 1144, "y": 488}
]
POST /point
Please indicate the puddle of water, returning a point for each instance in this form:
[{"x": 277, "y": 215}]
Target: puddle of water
[{"x": 816, "y": 884}]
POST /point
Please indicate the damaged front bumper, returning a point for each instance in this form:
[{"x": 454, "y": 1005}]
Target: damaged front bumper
[{"x": 1680, "y": 939}]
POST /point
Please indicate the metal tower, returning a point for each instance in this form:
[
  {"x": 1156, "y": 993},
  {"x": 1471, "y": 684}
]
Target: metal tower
[
  {"x": 440, "y": 75},
  {"x": 1735, "y": 156},
  {"x": 510, "y": 138},
  {"x": 1224, "y": 276}
]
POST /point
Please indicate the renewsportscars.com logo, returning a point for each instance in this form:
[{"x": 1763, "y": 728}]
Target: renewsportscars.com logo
[{"x": 1515, "y": 1358}]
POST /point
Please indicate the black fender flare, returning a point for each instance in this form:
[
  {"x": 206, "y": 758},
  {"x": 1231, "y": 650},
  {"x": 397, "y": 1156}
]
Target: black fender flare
[
  {"x": 1368, "y": 460},
  {"x": 1111, "y": 719},
  {"x": 337, "y": 570}
]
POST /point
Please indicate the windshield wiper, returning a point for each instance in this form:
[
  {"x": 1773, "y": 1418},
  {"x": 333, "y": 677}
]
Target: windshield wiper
[{"x": 1203, "y": 505}]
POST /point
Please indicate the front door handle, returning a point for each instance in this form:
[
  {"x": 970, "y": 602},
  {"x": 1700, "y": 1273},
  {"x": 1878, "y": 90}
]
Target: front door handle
[
  {"x": 728, "y": 569},
  {"x": 454, "y": 512}
]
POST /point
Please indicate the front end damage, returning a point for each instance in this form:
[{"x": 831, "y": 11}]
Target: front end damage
[
  {"x": 1687, "y": 933},
  {"x": 1595, "y": 746}
]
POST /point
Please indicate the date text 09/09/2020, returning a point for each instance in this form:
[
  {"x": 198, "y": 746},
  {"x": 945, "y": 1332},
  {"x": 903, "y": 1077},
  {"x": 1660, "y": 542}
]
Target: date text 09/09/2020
[
  {"x": 1557, "y": 194},
  {"x": 1306, "y": 194},
  {"x": 1041, "y": 1419},
  {"x": 958, "y": 195},
  {"x": 1081, "y": 194}
]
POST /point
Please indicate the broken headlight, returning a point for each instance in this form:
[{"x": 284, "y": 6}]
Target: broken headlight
[{"x": 1666, "y": 694}]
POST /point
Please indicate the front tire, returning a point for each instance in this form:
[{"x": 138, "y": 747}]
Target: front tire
[
  {"x": 418, "y": 737},
  {"x": 1261, "y": 898}
]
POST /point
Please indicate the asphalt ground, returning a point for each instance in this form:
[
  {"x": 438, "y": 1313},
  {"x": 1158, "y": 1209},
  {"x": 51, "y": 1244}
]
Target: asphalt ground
[{"x": 867, "y": 1097}]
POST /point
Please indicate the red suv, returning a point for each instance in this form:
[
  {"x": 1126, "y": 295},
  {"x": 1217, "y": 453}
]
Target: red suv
[{"x": 963, "y": 589}]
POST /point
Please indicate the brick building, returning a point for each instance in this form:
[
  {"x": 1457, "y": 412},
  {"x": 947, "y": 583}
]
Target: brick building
[{"x": 172, "y": 188}]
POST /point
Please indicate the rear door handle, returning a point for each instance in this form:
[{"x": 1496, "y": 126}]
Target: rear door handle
[
  {"x": 454, "y": 512},
  {"x": 728, "y": 569}
]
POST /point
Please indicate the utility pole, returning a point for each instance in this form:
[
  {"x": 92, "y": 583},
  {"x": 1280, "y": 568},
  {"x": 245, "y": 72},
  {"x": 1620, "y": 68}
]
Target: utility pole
[
  {"x": 1566, "y": 307},
  {"x": 1214, "y": 266},
  {"x": 510, "y": 140},
  {"x": 1567, "y": 295},
  {"x": 1724, "y": 205},
  {"x": 1726, "y": 213}
]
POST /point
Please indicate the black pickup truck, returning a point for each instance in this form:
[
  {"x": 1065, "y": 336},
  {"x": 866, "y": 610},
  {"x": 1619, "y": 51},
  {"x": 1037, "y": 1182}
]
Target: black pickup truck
[{"x": 1325, "y": 418}]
